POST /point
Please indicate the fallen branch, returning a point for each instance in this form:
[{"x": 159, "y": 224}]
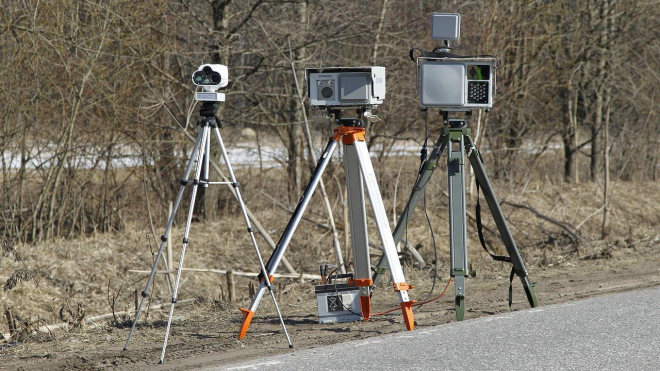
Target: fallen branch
[
  {"x": 63, "y": 325},
  {"x": 565, "y": 226},
  {"x": 236, "y": 273}
]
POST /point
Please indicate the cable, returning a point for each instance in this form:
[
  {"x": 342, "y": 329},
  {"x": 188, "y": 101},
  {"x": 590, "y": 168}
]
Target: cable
[
  {"x": 428, "y": 218},
  {"x": 440, "y": 52},
  {"x": 422, "y": 157},
  {"x": 337, "y": 292},
  {"x": 342, "y": 301},
  {"x": 417, "y": 304},
  {"x": 435, "y": 249}
]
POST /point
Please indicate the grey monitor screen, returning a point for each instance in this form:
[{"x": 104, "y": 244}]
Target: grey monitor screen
[
  {"x": 442, "y": 84},
  {"x": 354, "y": 87}
]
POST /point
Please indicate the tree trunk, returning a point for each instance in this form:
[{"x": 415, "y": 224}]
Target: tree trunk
[
  {"x": 570, "y": 140},
  {"x": 606, "y": 189},
  {"x": 294, "y": 130},
  {"x": 596, "y": 144},
  {"x": 570, "y": 160},
  {"x": 207, "y": 200}
]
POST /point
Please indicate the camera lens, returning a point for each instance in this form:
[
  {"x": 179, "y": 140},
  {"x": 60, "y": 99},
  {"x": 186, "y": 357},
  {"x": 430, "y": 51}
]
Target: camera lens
[
  {"x": 327, "y": 92},
  {"x": 215, "y": 78},
  {"x": 198, "y": 78}
]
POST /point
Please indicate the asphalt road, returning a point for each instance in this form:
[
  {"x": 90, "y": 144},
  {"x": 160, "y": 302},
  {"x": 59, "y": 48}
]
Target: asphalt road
[{"x": 613, "y": 332}]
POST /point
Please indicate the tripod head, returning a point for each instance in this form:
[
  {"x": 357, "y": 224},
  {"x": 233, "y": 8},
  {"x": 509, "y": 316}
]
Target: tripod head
[
  {"x": 454, "y": 122},
  {"x": 361, "y": 117},
  {"x": 208, "y": 112}
]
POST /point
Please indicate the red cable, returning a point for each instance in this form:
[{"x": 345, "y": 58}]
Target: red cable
[{"x": 417, "y": 304}]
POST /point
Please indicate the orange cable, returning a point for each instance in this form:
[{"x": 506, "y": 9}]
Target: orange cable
[{"x": 417, "y": 304}]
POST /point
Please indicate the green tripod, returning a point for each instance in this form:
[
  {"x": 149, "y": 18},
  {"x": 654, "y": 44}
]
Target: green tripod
[{"x": 456, "y": 139}]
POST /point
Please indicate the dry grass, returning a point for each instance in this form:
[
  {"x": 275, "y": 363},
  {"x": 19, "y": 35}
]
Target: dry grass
[{"x": 68, "y": 280}]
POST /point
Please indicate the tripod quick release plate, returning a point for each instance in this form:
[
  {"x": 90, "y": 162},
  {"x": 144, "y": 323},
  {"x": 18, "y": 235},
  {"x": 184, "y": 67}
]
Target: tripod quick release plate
[{"x": 204, "y": 96}]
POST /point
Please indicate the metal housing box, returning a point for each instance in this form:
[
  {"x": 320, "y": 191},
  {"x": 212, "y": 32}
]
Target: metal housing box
[
  {"x": 456, "y": 83},
  {"x": 345, "y": 87},
  {"x": 338, "y": 303}
]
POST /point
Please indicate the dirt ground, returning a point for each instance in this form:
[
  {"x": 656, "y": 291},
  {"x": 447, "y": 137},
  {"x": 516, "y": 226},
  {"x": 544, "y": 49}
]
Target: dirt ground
[{"x": 205, "y": 326}]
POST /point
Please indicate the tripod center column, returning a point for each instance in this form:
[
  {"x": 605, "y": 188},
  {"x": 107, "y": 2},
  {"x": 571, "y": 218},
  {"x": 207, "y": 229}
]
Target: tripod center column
[{"x": 456, "y": 191}]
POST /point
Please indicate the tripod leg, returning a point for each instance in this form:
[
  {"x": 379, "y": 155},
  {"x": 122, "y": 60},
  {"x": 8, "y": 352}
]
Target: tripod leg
[
  {"x": 165, "y": 236},
  {"x": 246, "y": 218},
  {"x": 384, "y": 231},
  {"x": 283, "y": 243},
  {"x": 200, "y": 157},
  {"x": 459, "y": 300},
  {"x": 500, "y": 221},
  {"x": 358, "y": 225},
  {"x": 425, "y": 173},
  {"x": 457, "y": 227}
]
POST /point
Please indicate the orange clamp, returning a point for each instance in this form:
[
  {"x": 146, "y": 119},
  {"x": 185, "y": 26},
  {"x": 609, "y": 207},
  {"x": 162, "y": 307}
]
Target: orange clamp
[
  {"x": 360, "y": 282},
  {"x": 349, "y": 134},
  {"x": 403, "y": 286}
]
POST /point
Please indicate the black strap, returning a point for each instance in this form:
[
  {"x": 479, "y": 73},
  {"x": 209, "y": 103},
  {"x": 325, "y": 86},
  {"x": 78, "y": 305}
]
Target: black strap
[
  {"x": 483, "y": 244},
  {"x": 441, "y": 52},
  {"x": 432, "y": 54},
  {"x": 499, "y": 258}
]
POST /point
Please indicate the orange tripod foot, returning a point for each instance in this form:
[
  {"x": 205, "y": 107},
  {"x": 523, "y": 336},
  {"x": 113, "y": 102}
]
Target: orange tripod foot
[
  {"x": 365, "y": 306},
  {"x": 408, "y": 316},
  {"x": 247, "y": 318}
]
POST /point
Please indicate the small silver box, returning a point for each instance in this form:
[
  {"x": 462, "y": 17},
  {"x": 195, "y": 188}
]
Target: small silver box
[{"x": 338, "y": 303}]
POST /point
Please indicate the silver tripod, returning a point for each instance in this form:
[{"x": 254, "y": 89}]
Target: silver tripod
[
  {"x": 360, "y": 176},
  {"x": 199, "y": 157}
]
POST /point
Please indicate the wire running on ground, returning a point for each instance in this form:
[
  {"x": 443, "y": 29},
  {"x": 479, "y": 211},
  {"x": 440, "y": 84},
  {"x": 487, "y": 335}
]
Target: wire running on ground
[{"x": 417, "y": 304}]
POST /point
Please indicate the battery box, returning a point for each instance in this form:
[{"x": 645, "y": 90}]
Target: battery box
[{"x": 338, "y": 302}]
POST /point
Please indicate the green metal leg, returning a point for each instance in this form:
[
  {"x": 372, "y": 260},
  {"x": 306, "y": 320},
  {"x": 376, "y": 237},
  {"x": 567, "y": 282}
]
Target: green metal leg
[
  {"x": 529, "y": 291},
  {"x": 460, "y": 308}
]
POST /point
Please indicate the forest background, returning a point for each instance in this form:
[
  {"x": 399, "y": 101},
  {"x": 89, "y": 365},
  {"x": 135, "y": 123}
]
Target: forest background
[
  {"x": 97, "y": 118},
  {"x": 96, "y": 95}
]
